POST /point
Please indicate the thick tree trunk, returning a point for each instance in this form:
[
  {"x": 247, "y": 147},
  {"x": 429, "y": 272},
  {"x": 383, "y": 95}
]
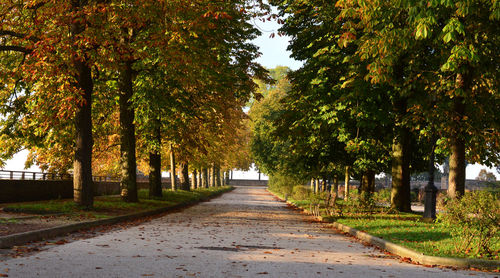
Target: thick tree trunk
[
  {"x": 456, "y": 178},
  {"x": 367, "y": 185},
  {"x": 367, "y": 182},
  {"x": 128, "y": 182},
  {"x": 205, "y": 178},
  {"x": 155, "y": 174},
  {"x": 217, "y": 177},
  {"x": 173, "y": 178},
  {"x": 83, "y": 186},
  {"x": 213, "y": 177},
  {"x": 185, "y": 176},
  {"x": 401, "y": 155},
  {"x": 346, "y": 182},
  {"x": 155, "y": 188}
]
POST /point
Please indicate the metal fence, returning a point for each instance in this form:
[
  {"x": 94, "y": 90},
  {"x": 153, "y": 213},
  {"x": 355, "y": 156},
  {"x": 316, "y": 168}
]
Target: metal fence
[{"x": 27, "y": 175}]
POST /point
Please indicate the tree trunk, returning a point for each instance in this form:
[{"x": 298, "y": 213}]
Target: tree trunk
[
  {"x": 335, "y": 188},
  {"x": 155, "y": 174},
  {"x": 346, "y": 184},
  {"x": 128, "y": 182},
  {"x": 367, "y": 185},
  {"x": 200, "y": 179},
  {"x": 173, "y": 178},
  {"x": 205, "y": 177},
  {"x": 195, "y": 179},
  {"x": 456, "y": 178},
  {"x": 83, "y": 186},
  {"x": 217, "y": 176},
  {"x": 312, "y": 185},
  {"x": 213, "y": 177},
  {"x": 185, "y": 176},
  {"x": 401, "y": 155},
  {"x": 155, "y": 188},
  {"x": 367, "y": 182}
]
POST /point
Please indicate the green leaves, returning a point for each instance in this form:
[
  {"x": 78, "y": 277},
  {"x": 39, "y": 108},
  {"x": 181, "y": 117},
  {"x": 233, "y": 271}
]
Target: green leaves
[
  {"x": 422, "y": 31},
  {"x": 451, "y": 30}
]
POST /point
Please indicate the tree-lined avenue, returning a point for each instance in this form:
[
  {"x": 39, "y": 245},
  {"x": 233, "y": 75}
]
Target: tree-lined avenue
[{"x": 244, "y": 233}]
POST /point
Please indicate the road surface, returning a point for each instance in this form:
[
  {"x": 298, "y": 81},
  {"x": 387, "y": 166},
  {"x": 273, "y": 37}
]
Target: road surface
[{"x": 244, "y": 233}]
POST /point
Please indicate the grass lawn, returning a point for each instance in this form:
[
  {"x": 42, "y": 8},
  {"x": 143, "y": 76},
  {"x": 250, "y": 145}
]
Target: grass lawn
[
  {"x": 108, "y": 206},
  {"x": 405, "y": 229}
]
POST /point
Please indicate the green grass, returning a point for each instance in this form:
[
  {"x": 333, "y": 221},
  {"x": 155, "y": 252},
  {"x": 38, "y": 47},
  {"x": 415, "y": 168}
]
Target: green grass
[
  {"x": 108, "y": 206},
  {"x": 405, "y": 229}
]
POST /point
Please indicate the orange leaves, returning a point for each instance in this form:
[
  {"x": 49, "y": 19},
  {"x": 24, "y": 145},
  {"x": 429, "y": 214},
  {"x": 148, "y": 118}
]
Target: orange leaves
[
  {"x": 346, "y": 38},
  {"x": 217, "y": 15}
]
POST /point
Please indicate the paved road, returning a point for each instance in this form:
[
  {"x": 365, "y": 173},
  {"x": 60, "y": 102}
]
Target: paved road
[{"x": 245, "y": 233}]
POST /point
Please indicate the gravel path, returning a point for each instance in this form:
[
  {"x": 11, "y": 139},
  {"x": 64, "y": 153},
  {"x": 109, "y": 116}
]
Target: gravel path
[{"x": 245, "y": 233}]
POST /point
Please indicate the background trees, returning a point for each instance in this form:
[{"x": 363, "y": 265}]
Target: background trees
[{"x": 79, "y": 76}]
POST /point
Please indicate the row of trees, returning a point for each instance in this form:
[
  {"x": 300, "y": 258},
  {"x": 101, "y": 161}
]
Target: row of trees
[
  {"x": 383, "y": 85},
  {"x": 112, "y": 86}
]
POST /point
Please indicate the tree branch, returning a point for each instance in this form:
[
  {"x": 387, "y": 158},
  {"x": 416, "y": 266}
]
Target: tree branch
[
  {"x": 15, "y": 48},
  {"x": 17, "y": 35}
]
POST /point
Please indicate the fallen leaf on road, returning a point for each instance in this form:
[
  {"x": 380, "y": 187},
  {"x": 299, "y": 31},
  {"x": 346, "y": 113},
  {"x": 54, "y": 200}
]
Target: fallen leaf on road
[{"x": 102, "y": 245}]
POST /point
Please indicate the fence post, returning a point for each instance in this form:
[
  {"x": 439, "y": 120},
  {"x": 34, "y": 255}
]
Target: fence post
[
  {"x": 22, "y": 175},
  {"x": 34, "y": 176},
  {"x": 11, "y": 175}
]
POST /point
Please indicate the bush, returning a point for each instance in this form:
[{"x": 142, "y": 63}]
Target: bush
[
  {"x": 442, "y": 199},
  {"x": 383, "y": 196},
  {"x": 283, "y": 184},
  {"x": 474, "y": 221},
  {"x": 301, "y": 192}
]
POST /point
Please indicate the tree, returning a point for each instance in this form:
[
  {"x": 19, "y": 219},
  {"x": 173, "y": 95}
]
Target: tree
[
  {"x": 57, "y": 47},
  {"x": 484, "y": 175}
]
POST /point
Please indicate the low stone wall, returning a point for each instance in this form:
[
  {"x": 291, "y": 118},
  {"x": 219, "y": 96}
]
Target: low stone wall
[
  {"x": 248, "y": 182},
  {"x": 34, "y": 190},
  {"x": 38, "y": 190}
]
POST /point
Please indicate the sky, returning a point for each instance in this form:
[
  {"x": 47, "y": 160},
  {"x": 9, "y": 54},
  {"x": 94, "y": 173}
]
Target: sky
[{"x": 274, "y": 54}]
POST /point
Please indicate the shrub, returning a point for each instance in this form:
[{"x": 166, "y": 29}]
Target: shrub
[
  {"x": 474, "y": 221},
  {"x": 301, "y": 192},
  {"x": 382, "y": 196},
  {"x": 442, "y": 199}
]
